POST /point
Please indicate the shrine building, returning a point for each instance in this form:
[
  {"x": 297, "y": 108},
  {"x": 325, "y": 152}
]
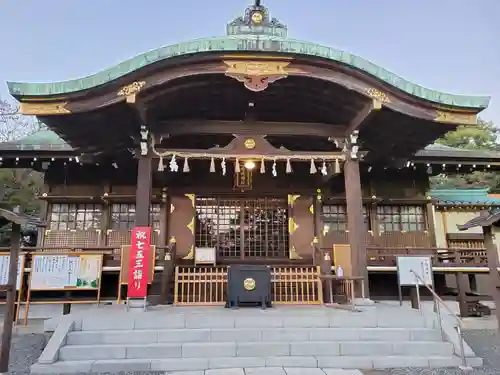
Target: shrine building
[{"x": 262, "y": 148}]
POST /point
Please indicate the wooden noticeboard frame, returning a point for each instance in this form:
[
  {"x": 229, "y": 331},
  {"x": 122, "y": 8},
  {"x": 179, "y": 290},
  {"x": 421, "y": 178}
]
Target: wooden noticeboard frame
[
  {"x": 65, "y": 289},
  {"x": 124, "y": 263},
  {"x": 22, "y": 257}
]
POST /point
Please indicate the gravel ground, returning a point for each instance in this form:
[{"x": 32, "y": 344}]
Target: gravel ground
[
  {"x": 26, "y": 348},
  {"x": 25, "y": 351}
]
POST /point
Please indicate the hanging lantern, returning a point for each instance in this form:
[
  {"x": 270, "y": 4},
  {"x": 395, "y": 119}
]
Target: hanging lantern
[
  {"x": 262, "y": 166},
  {"x": 249, "y": 164}
]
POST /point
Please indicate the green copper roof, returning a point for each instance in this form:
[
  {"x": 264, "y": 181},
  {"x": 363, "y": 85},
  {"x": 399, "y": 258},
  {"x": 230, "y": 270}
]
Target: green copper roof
[
  {"x": 269, "y": 36},
  {"x": 464, "y": 196},
  {"x": 41, "y": 140}
]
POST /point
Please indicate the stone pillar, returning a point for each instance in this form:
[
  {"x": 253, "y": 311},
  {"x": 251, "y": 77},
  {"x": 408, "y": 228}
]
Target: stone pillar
[{"x": 355, "y": 220}]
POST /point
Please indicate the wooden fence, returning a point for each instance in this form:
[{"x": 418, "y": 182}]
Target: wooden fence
[{"x": 208, "y": 285}]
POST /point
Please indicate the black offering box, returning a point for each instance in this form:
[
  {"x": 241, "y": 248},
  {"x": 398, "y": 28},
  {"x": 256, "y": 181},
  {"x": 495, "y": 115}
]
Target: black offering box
[{"x": 248, "y": 285}]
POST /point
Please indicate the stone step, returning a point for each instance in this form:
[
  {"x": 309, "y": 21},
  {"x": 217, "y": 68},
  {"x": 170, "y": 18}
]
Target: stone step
[
  {"x": 248, "y": 334},
  {"x": 193, "y": 321},
  {"x": 256, "y": 319},
  {"x": 254, "y": 349},
  {"x": 200, "y": 364}
]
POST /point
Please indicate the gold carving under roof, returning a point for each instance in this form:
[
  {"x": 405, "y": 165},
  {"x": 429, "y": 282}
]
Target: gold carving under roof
[
  {"x": 292, "y": 199},
  {"x": 37, "y": 108},
  {"x": 294, "y": 254},
  {"x": 190, "y": 255},
  {"x": 131, "y": 90},
  {"x": 250, "y": 143},
  {"x": 379, "y": 95},
  {"x": 292, "y": 225},
  {"x": 257, "y": 17},
  {"x": 456, "y": 118},
  {"x": 257, "y": 75}
]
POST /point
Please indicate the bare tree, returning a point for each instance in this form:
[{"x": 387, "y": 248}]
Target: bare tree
[
  {"x": 13, "y": 125},
  {"x": 18, "y": 186}
]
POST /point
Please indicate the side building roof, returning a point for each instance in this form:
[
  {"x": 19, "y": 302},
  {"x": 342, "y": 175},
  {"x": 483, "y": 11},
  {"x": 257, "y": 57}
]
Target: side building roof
[{"x": 465, "y": 197}]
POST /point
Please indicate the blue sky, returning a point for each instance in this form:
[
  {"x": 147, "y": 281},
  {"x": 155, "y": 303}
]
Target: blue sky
[{"x": 447, "y": 45}]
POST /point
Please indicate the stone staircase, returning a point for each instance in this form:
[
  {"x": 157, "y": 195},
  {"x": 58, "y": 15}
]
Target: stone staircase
[{"x": 189, "y": 339}]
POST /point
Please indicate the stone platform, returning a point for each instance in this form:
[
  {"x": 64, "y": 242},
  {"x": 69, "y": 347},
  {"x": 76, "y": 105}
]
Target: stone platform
[{"x": 199, "y": 339}]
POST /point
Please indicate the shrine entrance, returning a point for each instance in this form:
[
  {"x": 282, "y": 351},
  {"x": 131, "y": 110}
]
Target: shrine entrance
[{"x": 242, "y": 227}]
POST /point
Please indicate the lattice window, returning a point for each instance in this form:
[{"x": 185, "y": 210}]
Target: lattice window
[
  {"x": 218, "y": 225},
  {"x": 75, "y": 216},
  {"x": 154, "y": 218},
  {"x": 123, "y": 216},
  {"x": 398, "y": 218},
  {"x": 248, "y": 227},
  {"x": 335, "y": 217},
  {"x": 265, "y": 228}
]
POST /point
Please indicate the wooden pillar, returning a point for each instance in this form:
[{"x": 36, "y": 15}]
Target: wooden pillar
[
  {"x": 166, "y": 276},
  {"x": 323, "y": 256},
  {"x": 318, "y": 229},
  {"x": 44, "y": 215},
  {"x": 10, "y": 307},
  {"x": 431, "y": 225},
  {"x": 143, "y": 191},
  {"x": 355, "y": 221},
  {"x": 494, "y": 277}
]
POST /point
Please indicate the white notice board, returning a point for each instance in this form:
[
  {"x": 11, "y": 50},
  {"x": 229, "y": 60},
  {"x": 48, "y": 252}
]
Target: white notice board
[
  {"x": 204, "y": 255},
  {"x": 421, "y": 265},
  {"x": 65, "y": 271},
  {"x": 4, "y": 270}
]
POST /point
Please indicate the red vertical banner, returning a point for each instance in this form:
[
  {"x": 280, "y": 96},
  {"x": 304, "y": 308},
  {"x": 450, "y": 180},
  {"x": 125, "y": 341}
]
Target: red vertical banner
[{"x": 140, "y": 257}]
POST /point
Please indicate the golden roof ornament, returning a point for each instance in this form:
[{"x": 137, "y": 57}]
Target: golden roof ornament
[{"x": 257, "y": 21}]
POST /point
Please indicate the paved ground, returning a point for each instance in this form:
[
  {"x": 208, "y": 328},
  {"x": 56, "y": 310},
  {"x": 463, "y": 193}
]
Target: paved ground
[{"x": 28, "y": 343}]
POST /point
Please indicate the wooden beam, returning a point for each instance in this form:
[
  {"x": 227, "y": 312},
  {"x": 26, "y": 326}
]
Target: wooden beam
[
  {"x": 180, "y": 127},
  {"x": 363, "y": 114}
]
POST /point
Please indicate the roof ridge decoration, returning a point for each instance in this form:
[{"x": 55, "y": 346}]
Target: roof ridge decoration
[
  {"x": 257, "y": 21},
  {"x": 255, "y": 32}
]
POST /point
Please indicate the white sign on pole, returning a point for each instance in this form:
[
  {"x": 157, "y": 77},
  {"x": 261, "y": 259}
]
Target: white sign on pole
[
  {"x": 204, "y": 255},
  {"x": 422, "y": 266},
  {"x": 4, "y": 270}
]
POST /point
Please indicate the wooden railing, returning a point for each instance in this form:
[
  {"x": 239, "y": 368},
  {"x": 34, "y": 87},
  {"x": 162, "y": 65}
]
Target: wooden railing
[
  {"x": 376, "y": 256},
  {"x": 208, "y": 285},
  {"x": 443, "y": 257},
  {"x": 383, "y": 240}
]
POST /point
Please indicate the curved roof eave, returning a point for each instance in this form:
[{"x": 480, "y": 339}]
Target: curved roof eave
[{"x": 246, "y": 43}]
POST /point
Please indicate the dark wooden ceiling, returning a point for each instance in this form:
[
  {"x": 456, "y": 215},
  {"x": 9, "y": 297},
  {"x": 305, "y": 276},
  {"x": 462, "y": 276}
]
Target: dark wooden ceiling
[{"x": 217, "y": 97}]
